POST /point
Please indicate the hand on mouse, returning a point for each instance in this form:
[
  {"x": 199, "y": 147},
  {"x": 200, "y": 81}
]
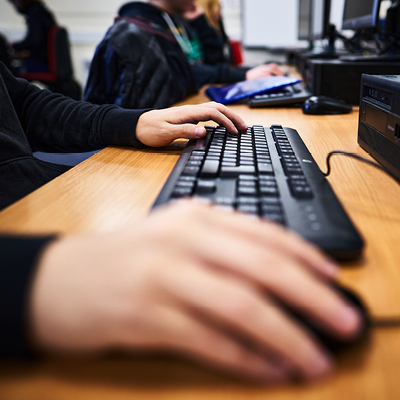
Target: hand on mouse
[
  {"x": 192, "y": 280},
  {"x": 160, "y": 127}
]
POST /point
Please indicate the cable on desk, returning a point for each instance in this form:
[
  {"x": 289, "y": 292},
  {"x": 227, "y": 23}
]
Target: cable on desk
[
  {"x": 353, "y": 155},
  {"x": 385, "y": 322},
  {"x": 375, "y": 322}
]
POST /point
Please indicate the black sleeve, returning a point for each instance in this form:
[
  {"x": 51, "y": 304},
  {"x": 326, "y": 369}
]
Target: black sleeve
[
  {"x": 211, "y": 43},
  {"x": 18, "y": 259},
  {"x": 219, "y": 73},
  {"x": 53, "y": 122}
]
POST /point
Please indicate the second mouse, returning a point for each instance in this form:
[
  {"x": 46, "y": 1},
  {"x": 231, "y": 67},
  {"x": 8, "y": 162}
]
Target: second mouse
[{"x": 324, "y": 105}]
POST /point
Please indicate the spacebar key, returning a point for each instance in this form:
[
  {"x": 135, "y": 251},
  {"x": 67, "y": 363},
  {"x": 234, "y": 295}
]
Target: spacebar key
[{"x": 232, "y": 172}]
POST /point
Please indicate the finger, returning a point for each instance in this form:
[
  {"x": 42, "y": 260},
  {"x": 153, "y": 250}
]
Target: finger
[
  {"x": 267, "y": 260},
  {"x": 234, "y": 306},
  {"x": 234, "y": 117},
  {"x": 276, "y": 70},
  {"x": 188, "y": 131},
  {"x": 268, "y": 234},
  {"x": 213, "y": 113},
  {"x": 209, "y": 111},
  {"x": 191, "y": 336},
  {"x": 281, "y": 275},
  {"x": 286, "y": 242}
]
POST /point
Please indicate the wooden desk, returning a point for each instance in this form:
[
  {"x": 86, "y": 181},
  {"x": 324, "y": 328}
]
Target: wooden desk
[{"x": 117, "y": 186}]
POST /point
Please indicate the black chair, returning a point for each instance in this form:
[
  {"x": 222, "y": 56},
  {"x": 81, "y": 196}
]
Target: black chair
[{"x": 59, "y": 79}]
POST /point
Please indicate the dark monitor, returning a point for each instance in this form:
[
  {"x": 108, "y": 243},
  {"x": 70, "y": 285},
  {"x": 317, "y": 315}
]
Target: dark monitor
[
  {"x": 360, "y": 14},
  {"x": 304, "y": 19},
  {"x": 393, "y": 18},
  {"x": 320, "y": 19}
]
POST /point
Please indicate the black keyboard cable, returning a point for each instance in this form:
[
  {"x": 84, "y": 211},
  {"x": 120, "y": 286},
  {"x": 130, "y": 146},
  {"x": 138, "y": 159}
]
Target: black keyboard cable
[
  {"x": 353, "y": 155},
  {"x": 388, "y": 322}
]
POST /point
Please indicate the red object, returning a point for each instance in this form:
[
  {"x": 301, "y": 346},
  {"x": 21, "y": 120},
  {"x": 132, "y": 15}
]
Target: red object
[{"x": 237, "y": 52}]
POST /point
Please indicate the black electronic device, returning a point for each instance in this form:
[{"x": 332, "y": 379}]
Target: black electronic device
[
  {"x": 393, "y": 18},
  {"x": 289, "y": 95},
  {"x": 321, "y": 28},
  {"x": 320, "y": 21},
  {"x": 324, "y": 105},
  {"x": 360, "y": 14},
  {"x": 269, "y": 173},
  {"x": 360, "y": 340},
  {"x": 379, "y": 120},
  {"x": 305, "y": 19},
  {"x": 341, "y": 79}
]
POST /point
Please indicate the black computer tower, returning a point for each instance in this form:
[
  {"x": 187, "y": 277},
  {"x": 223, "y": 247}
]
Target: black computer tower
[{"x": 341, "y": 79}]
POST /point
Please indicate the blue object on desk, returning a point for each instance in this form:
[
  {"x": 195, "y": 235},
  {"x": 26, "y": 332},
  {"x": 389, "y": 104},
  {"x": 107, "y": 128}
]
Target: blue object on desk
[{"x": 228, "y": 94}]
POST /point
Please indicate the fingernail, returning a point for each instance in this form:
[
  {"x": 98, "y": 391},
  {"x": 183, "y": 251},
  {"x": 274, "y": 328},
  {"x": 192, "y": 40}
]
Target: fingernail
[{"x": 199, "y": 131}]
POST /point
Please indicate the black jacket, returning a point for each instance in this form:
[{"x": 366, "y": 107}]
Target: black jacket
[
  {"x": 39, "y": 20},
  {"x": 139, "y": 63},
  {"x": 31, "y": 118},
  {"x": 214, "y": 69},
  {"x": 131, "y": 69}
]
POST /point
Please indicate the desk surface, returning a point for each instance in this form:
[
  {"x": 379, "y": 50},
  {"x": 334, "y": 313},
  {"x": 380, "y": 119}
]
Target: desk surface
[{"x": 118, "y": 185}]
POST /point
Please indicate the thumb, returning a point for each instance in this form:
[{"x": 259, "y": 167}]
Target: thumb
[{"x": 189, "y": 131}]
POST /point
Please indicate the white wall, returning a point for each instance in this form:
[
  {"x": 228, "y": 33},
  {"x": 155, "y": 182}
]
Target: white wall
[{"x": 274, "y": 23}]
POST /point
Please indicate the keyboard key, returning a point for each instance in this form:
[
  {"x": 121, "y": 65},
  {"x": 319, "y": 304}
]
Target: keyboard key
[
  {"x": 264, "y": 168},
  {"x": 191, "y": 170},
  {"x": 247, "y": 200},
  {"x": 248, "y": 209},
  {"x": 194, "y": 163},
  {"x": 205, "y": 187},
  {"x": 233, "y": 172},
  {"x": 276, "y": 217},
  {"x": 269, "y": 191},
  {"x": 247, "y": 191},
  {"x": 301, "y": 192},
  {"x": 185, "y": 184},
  {"x": 210, "y": 168},
  {"x": 182, "y": 192}
]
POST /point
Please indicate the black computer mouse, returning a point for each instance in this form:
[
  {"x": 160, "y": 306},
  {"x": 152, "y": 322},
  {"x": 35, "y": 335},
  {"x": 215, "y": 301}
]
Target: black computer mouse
[
  {"x": 336, "y": 346},
  {"x": 320, "y": 105}
]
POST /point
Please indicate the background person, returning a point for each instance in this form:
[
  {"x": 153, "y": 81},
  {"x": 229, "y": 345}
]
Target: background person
[
  {"x": 153, "y": 57},
  {"x": 206, "y": 56},
  {"x": 32, "y": 50}
]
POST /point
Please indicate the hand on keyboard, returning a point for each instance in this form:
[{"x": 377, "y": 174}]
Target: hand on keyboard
[
  {"x": 193, "y": 280},
  {"x": 264, "y": 70},
  {"x": 158, "y": 128}
]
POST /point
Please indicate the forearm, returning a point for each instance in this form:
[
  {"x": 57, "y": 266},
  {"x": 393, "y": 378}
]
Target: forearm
[
  {"x": 56, "y": 123},
  {"x": 220, "y": 73}
]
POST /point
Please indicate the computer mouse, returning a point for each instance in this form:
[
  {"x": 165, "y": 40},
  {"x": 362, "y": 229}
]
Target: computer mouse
[
  {"x": 336, "y": 346},
  {"x": 320, "y": 105}
]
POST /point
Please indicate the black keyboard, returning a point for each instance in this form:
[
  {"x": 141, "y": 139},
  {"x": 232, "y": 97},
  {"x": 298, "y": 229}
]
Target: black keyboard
[
  {"x": 288, "y": 95},
  {"x": 268, "y": 173}
]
